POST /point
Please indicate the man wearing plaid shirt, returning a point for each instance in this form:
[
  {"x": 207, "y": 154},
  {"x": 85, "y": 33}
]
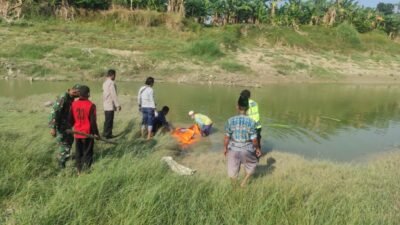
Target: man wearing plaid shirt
[{"x": 240, "y": 144}]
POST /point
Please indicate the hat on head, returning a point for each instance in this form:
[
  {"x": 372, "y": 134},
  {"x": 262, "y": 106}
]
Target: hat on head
[
  {"x": 191, "y": 113},
  {"x": 76, "y": 86}
]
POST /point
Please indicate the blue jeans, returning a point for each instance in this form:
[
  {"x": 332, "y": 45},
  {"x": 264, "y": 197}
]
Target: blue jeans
[{"x": 148, "y": 117}]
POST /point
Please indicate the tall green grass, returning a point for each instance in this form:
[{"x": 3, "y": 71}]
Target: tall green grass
[
  {"x": 207, "y": 50},
  {"x": 129, "y": 185}
]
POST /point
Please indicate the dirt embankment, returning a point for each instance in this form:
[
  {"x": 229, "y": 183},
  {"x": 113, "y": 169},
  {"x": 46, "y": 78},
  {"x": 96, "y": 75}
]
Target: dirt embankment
[{"x": 257, "y": 68}]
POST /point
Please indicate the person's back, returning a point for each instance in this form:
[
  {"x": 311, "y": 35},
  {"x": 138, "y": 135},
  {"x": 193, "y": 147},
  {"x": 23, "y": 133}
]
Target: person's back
[
  {"x": 241, "y": 128},
  {"x": 240, "y": 142},
  {"x": 83, "y": 118},
  {"x": 160, "y": 120},
  {"x": 146, "y": 97},
  {"x": 202, "y": 119},
  {"x": 147, "y": 106},
  {"x": 81, "y": 110}
]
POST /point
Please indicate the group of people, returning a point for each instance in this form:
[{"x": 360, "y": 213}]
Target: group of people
[
  {"x": 81, "y": 115},
  {"x": 242, "y": 132}
]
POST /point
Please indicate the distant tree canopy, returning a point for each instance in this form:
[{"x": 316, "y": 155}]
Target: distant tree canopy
[
  {"x": 385, "y": 8},
  {"x": 275, "y": 12}
]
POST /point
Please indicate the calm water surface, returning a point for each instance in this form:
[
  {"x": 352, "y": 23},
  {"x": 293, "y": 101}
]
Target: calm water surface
[{"x": 328, "y": 121}]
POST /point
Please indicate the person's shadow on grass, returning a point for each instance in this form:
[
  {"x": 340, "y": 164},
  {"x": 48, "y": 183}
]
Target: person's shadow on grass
[{"x": 265, "y": 169}]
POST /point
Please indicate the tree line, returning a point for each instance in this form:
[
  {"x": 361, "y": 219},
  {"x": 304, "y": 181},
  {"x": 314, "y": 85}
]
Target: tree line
[{"x": 291, "y": 13}]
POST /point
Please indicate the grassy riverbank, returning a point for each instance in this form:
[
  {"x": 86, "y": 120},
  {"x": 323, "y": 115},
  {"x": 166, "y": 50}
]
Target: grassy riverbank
[
  {"x": 252, "y": 55},
  {"x": 129, "y": 185}
]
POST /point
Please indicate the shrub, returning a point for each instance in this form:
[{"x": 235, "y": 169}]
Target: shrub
[
  {"x": 231, "y": 36},
  {"x": 348, "y": 34},
  {"x": 205, "y": 48}
]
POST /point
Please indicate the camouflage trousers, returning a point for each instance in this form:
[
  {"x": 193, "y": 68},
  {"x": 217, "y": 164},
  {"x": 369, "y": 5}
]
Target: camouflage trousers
[{"x": 64, "y": 142}]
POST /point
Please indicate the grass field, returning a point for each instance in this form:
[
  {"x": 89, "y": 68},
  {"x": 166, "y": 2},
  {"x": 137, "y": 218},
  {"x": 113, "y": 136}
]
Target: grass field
[
  {"x": 137, "y": 47},
  {"x": 129, "y": 185}
]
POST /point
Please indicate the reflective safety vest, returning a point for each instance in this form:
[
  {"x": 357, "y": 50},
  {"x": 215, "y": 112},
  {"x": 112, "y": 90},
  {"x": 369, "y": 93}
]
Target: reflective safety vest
[
  {"x": 253, "y": 113},
  {"x": 202, "y": 120}
]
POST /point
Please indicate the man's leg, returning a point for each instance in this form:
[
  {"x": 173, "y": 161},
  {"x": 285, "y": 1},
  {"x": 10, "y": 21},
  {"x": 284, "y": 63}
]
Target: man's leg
[
  {"x": 144, "y": 118},
  {"x": 233, "y": 166},
  {"x": 245, "y": 180},
  {"x": 249, "y": 160},
  {"x": 88, "y": 153},
  {"x": 149, "y": 122},
  {"x": 79, "y": 145},
  {"x": 108, "y": 123},
  {"x": 64, "y": 142}
]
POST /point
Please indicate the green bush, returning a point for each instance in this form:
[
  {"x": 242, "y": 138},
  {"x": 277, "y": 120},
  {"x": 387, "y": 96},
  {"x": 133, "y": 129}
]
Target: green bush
[
  {"x": 33, "y": 51},
  {"x": 231, "y": 36},
  {"x": 207, "y": 49},
  {"x": 232, "y": 66},
  {"x": 191, "y": 25},
  {"x": 348, "y": 34}
]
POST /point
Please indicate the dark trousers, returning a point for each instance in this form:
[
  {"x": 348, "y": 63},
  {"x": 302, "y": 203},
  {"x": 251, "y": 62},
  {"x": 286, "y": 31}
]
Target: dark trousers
[
  {"x": 108, "y": 124},
  {"x": 84, "y": 153}
]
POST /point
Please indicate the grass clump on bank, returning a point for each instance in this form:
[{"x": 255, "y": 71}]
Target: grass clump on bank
[
  {"x": 207, "y": 50},
  {"x": 129, "y": 185}
]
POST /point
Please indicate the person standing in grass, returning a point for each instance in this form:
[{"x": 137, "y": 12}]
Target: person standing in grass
[
  {"x": 240, "y": 143},
  {"x": 147, "y": 106},
  {"x": 203, "y": 121},
  {"x": 83, "y": 119},
  {"x": 59, "y": 123},
  {"x": 110, "y": 103},
  {"x": 253, "y": 113}
]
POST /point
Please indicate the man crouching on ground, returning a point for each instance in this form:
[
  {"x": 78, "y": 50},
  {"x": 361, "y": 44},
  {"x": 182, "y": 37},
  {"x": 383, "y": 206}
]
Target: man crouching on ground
[
  {"x": 240, "y": 144},
  {"x": 83, "y": 119}
]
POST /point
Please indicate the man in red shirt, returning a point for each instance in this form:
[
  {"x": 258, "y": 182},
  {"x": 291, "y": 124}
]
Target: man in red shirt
[{"x": 83, "y": 119}]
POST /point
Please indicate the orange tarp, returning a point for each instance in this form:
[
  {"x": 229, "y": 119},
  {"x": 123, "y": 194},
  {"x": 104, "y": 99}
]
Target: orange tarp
[{"x": 187, "y": 136}]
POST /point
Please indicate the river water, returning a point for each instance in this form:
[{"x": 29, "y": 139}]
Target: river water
[{"x": 338, "y": 122}]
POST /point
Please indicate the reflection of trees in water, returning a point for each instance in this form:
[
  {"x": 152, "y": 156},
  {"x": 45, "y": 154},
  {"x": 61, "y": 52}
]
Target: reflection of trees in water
[{"x": 322, "y": 123}]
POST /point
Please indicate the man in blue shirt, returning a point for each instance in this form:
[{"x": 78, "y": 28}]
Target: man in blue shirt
[
  {"x": 240, "y": 144},
  {"x": 160, "y": 121}
]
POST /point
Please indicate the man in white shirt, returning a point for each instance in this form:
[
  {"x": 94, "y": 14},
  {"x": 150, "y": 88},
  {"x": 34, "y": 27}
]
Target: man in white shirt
[
  {"x": 110, "y": 103},
  {"x": 147, "y": 106}
]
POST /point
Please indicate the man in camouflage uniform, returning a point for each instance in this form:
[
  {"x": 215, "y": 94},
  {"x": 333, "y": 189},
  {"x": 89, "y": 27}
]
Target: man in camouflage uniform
[{"x": 59, "y": 123}]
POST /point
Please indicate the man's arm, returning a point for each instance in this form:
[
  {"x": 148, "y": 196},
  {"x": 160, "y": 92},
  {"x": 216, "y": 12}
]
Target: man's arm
[
  {"x": 226, "y": 142},
  {"x": 227, "y": 137},
  {"x": 54, "y": 117},
  {"x": 93, "y": 121},
  {"x": 257, "y": 147},
  {"x": 139, "y": 98},
  {"x": 114, "y": 96}
]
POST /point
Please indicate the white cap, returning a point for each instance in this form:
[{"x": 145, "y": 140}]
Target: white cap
[{"x": 191, "y": 113}]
